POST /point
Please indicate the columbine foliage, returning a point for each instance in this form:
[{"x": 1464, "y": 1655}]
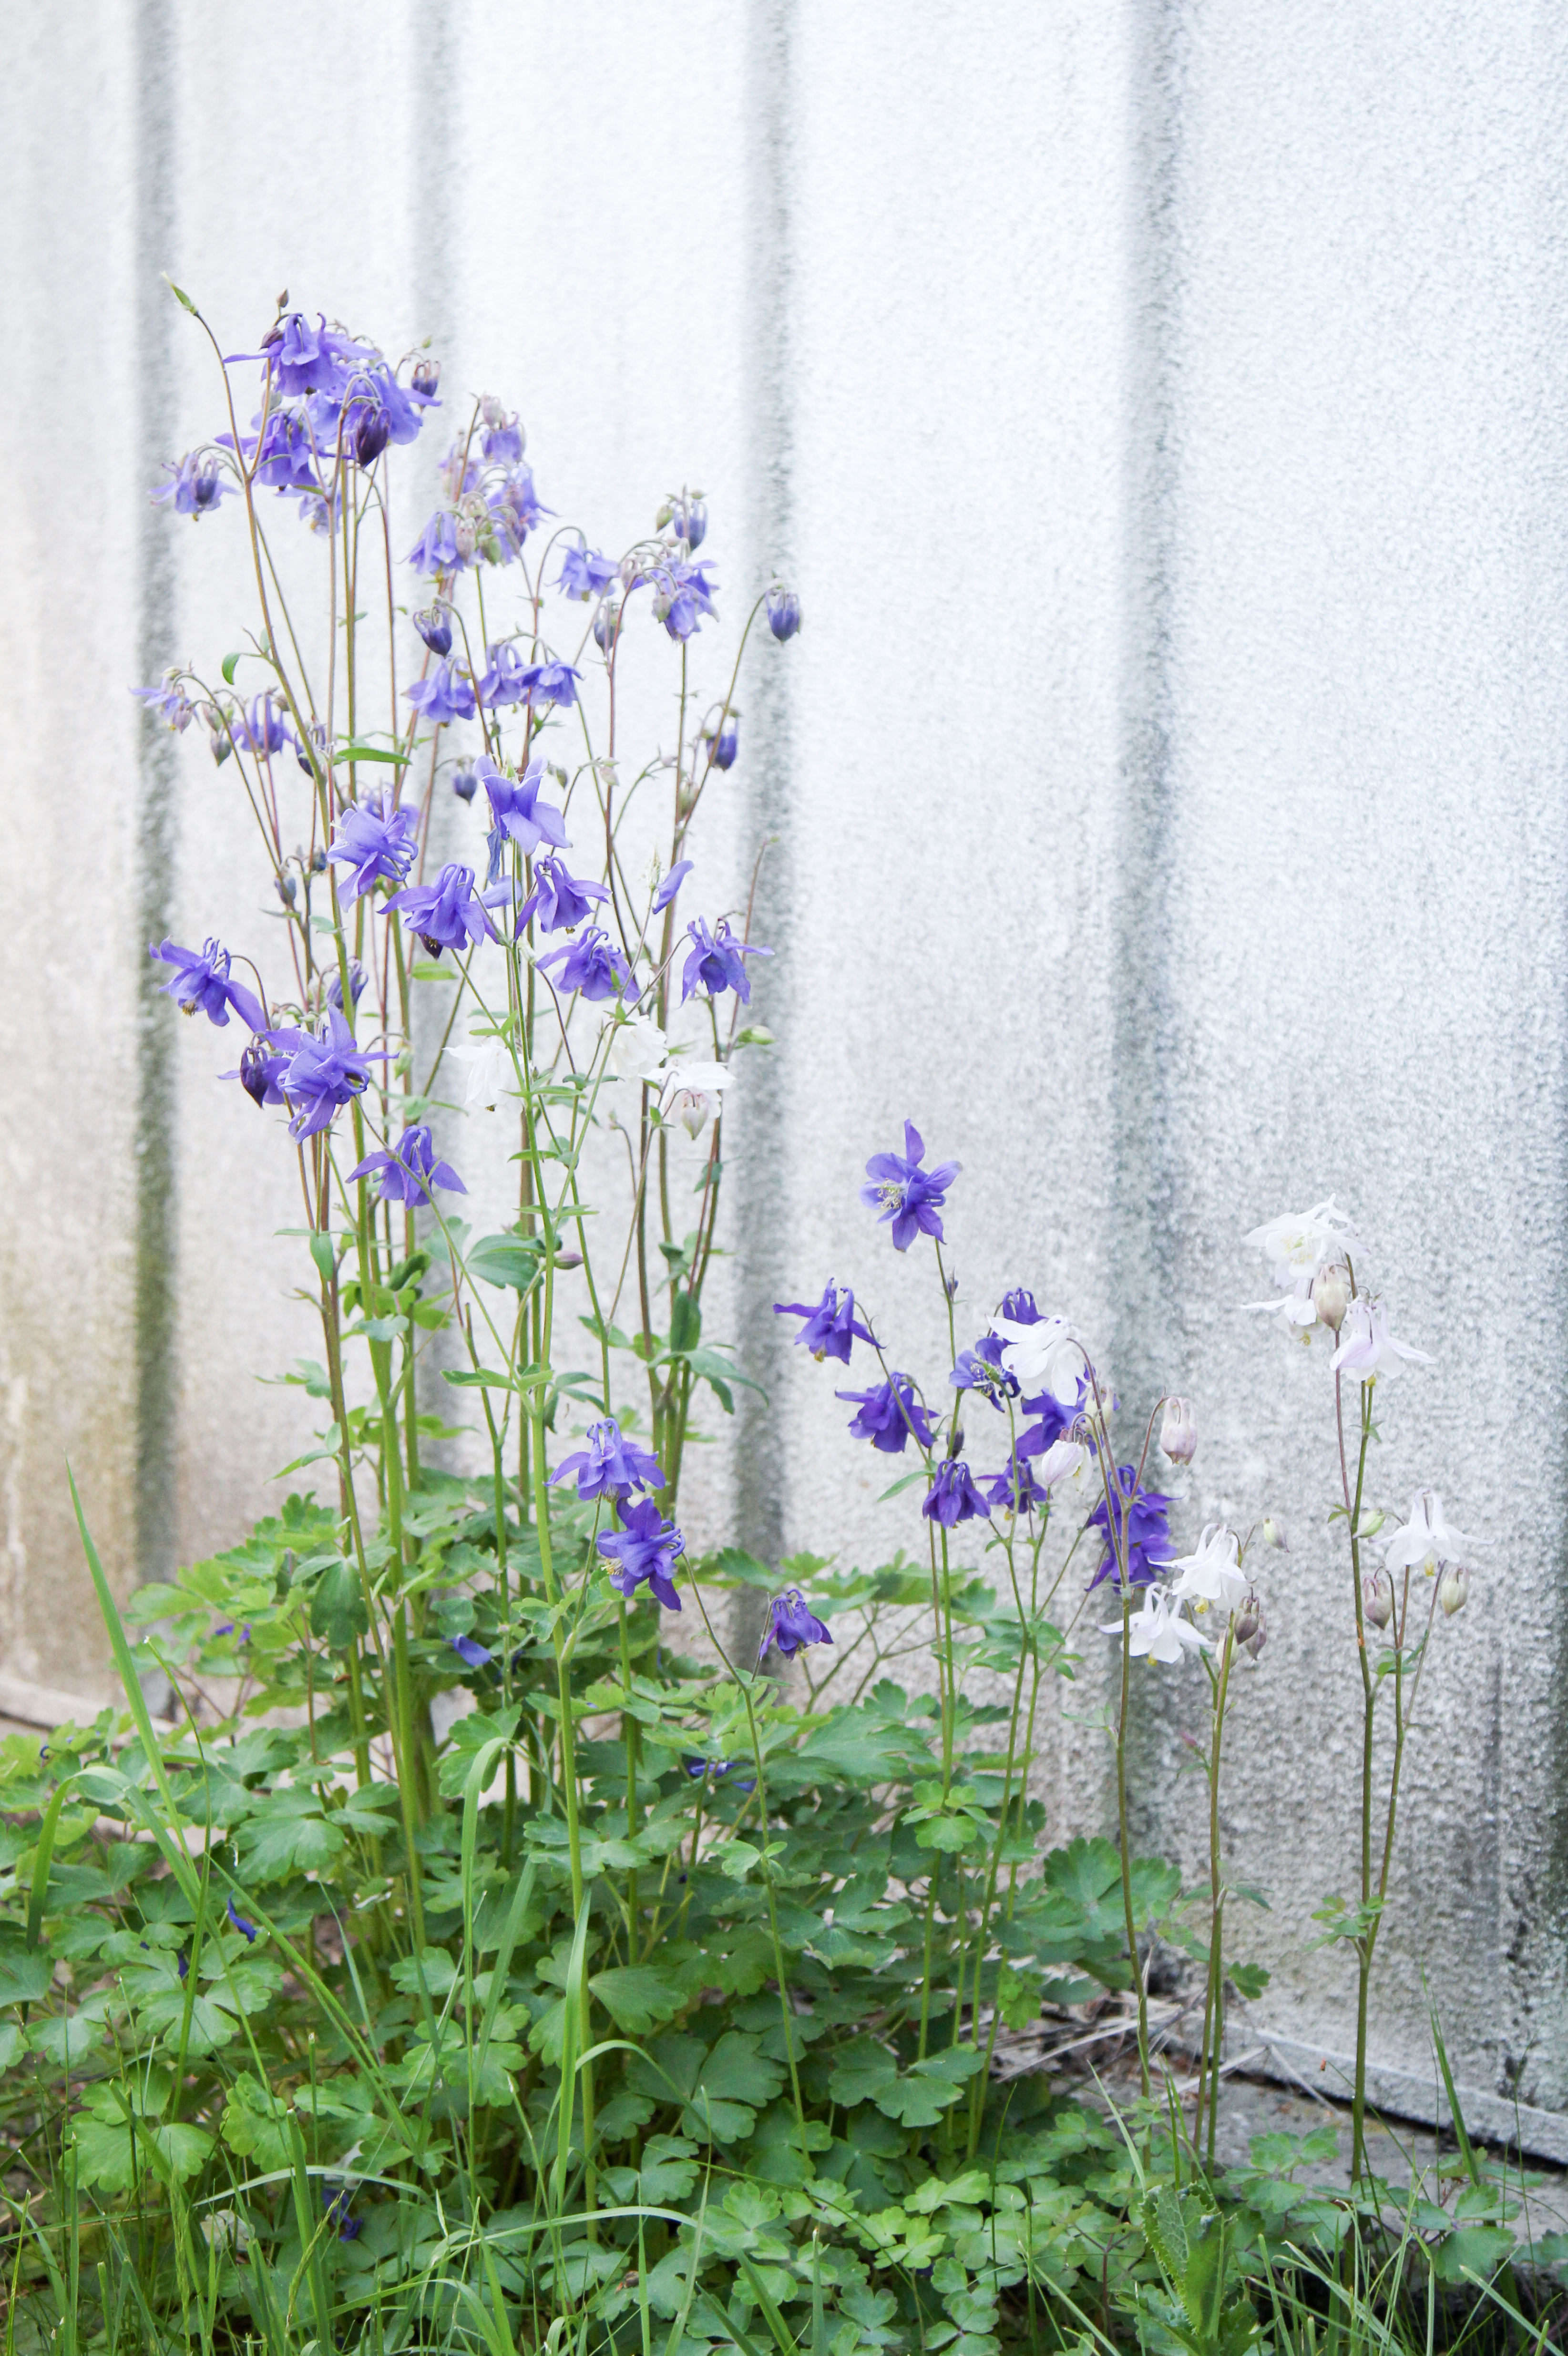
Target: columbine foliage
[{"x": 460, "y": 1964}]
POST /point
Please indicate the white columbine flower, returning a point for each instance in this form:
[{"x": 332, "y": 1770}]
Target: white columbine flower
[
  {"x": 637, "y": 1049},
  {"x": 1427, "y": 1541},
  {"x": 1298, "y": 1243},
  {"x": 1158, "y": 1632},
  {"x": 1049, "y": 1353},
  {"x": 1214, "y": 1574},
  {"x": 1367, "y": 1347},
  {"x": 491, "y": 1071},
  {"x": 691, "y": 1091},
  {"x": 1062, "y": 1460}
]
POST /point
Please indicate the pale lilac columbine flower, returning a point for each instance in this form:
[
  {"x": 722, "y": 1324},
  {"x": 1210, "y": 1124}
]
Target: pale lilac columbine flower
[
  {"x": 1367, "y": 1349},
  {"x": 584, "y": 573},
  {"x": 558, "y": 899},
  {"x": 1046, "y": 1355},
  {"x": 411, "y": 1169},
  {"x": 1063, "y": 1461},
  {"x": 447, "y": 914},
  {"x": 169, "y": 701},
  {"x": 505, "y": 440},
  {"x": 520, "y": 815},
  {"x": 1179, "y": 1431},
  {"x": 791, "y": 1624},
  {"x": 445, "y": 694},
  {"x": 1157, "y": 1632},
  {"x": 196, "y": 488},
  {"x": 667, "y": 890},
  {"x": 1297, "y": 1246},
  {"x": 1213, "y": 1573},
  {"x": 1427, "y": 1542}
]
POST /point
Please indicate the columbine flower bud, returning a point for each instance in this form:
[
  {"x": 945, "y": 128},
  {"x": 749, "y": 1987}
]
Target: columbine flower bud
[
  {"x": 1252, "y": 1629},
  {"x": 783, "y": 613},
  {"x": 1370, "y": 1523},
  {"x": 1274, "y": 1536},
  {"x": 1179, "y": 1431},
  {"x": 425, "y": 376},
  {"x": 254, "y": 1071},
  {"x": 223, "y": 744},
  {"x": 689, "y": 517},
  {"x": 285, "y": 888},
  {"x": 1454, "y": 1589},
  {"x": 724, "y": 741},
  {"x": 1377, "y": 1601},
  {"x": 435, "y": 626},
  {"x": 372, "y": 431},
  {"x": 492, "y": 410},
  {"x": 466, "y": 782},
  {"x": 465, "y": 536},
  {"x": 1331, "y": 1295},
  {"x": 606, "y": 622}
]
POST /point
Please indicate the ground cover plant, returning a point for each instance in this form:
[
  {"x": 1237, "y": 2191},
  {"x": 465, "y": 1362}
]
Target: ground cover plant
[{"x": 481, "y": 1951}]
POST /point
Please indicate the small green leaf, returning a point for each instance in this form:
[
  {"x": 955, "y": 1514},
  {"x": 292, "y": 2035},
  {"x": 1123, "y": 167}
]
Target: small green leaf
[
  {"x": 180, "y": 295},
  {"x": 685, "y": 1324},
  {"x": 230, "y": 665},
  {"x": 325, "y": 1259},
  {"x": 338, "y": 1607}
]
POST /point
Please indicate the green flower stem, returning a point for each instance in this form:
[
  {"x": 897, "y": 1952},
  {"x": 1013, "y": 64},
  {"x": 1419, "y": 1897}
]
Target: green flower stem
[
  {"x": 1208, "y": 2056},
  {"x": 1132, "y": 1965},
  {"x": 1369, "y": 1704}
]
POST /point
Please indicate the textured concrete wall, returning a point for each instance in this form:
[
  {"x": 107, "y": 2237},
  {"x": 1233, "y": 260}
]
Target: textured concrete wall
[{"x": 1161, "y": 411}]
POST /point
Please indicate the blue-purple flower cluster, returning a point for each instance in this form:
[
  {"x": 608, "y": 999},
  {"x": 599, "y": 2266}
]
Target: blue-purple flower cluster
[{"x": 613, "y": 1470}]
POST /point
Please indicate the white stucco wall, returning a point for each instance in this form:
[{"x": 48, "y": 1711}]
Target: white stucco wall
[{"x": 1161, "y": 408}]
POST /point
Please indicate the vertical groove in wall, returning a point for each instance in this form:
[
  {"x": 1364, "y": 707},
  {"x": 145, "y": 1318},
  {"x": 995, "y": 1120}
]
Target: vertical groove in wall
[
  {"x": 1143, "y": 1223},
  {"x": 436, "y": 107},
  {"x": 156, "y": 1246},
  {"x": 761, "y": 1235}
]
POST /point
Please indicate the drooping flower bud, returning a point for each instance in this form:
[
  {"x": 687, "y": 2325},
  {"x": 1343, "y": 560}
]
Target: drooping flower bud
[
  {"x": 724, "y": 741},
  {"x": 689, "y": 517},
  {"x": 372, "y": 431},
  {"x": 465, "y": 536},
  {"x": 1179, "y": 1431},
  {"x": 223, "y": 744},
  {"x": 1274, "y": 1536},
  {"x": 783, "y": 613},
  {"x": 606, "y": 622},
  {"x": 1370, "y": 1523},
  {"x": 492, "y": 410},
  {"x": 435, "y": 626},
  {"x": 466, "y": 782},
  {"x": 1252, "y": 1628},
  {"x": 285, "y": 888},
  {"x": 425, "y": 377},
  {"x": 254, "y": 1071},
  {"x": 1331, "y": 1295},
  {"x": 1377, "y": 1599},
  {"x": 1454, "y": 1589}
]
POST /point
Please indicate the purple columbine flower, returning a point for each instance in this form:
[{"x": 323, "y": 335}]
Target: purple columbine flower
[
  {"x": 436, "y": 548},
  {"x": 518, "y": 813},
  {"x": 1019, "y": 1308},
  {"x": 435, "y": 626},
  {"x": 514, "y": 508},
  {"x": 689, "y": 517},
  {"x": 1015, "y": 1490},
  {"x": 246, "y": 1930},
  {"x": 447, "y": 914},
  {"x": 907, "y": 1194},
  {"x": 609, "y": 1465},
  {"x": 307, "y": 359},
  {"x": 549, "y": 683},
  {"x": 503, "y": 682},
  {"x": 716, "y": 962},
  {"x": 584, "y": 573},
  {"x": 445, "y": 695},
  {"x": 831, "y": 1329},
  {"x": 683, "y": 594},
  {"x": 783, "y": 613},
  {"x": 558, "y": 899},
  {"x": 503, "y": 438},
  {"x": 889, "y": 1413},
  {"x": 324, "y": 1069},
  {"x": 724, "y": 741},
  {"x": 335, "y": 2200},
  {"x": 471, "y": 1652},
  {"x": 981, "y": 1370},
  {"x": 1148, "y": 1528},
  {"x": 411, "y": 1169},
  {"x": 1054, "y": 1420},
  {"x": 261, "y": 1072},
  {"x": 953, "y": 1496},
  {"x": 200, "y": 982},
  {"x": 196, "y": 488},
  {"x": 791, "y": 1623},
  {"x": 377, "y": 840},
  {"x": 671, "y": 884},
  {"x": 646, "y": 1548},
  {"x": 262, "y": 730},
  {"x": 169, "y": 701},
  {"x": 593, "y": 965},
  {"x": 357, "y": 981},
  {"x": 284, "y": 456},
  {"x": 466, "y": 781}
]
